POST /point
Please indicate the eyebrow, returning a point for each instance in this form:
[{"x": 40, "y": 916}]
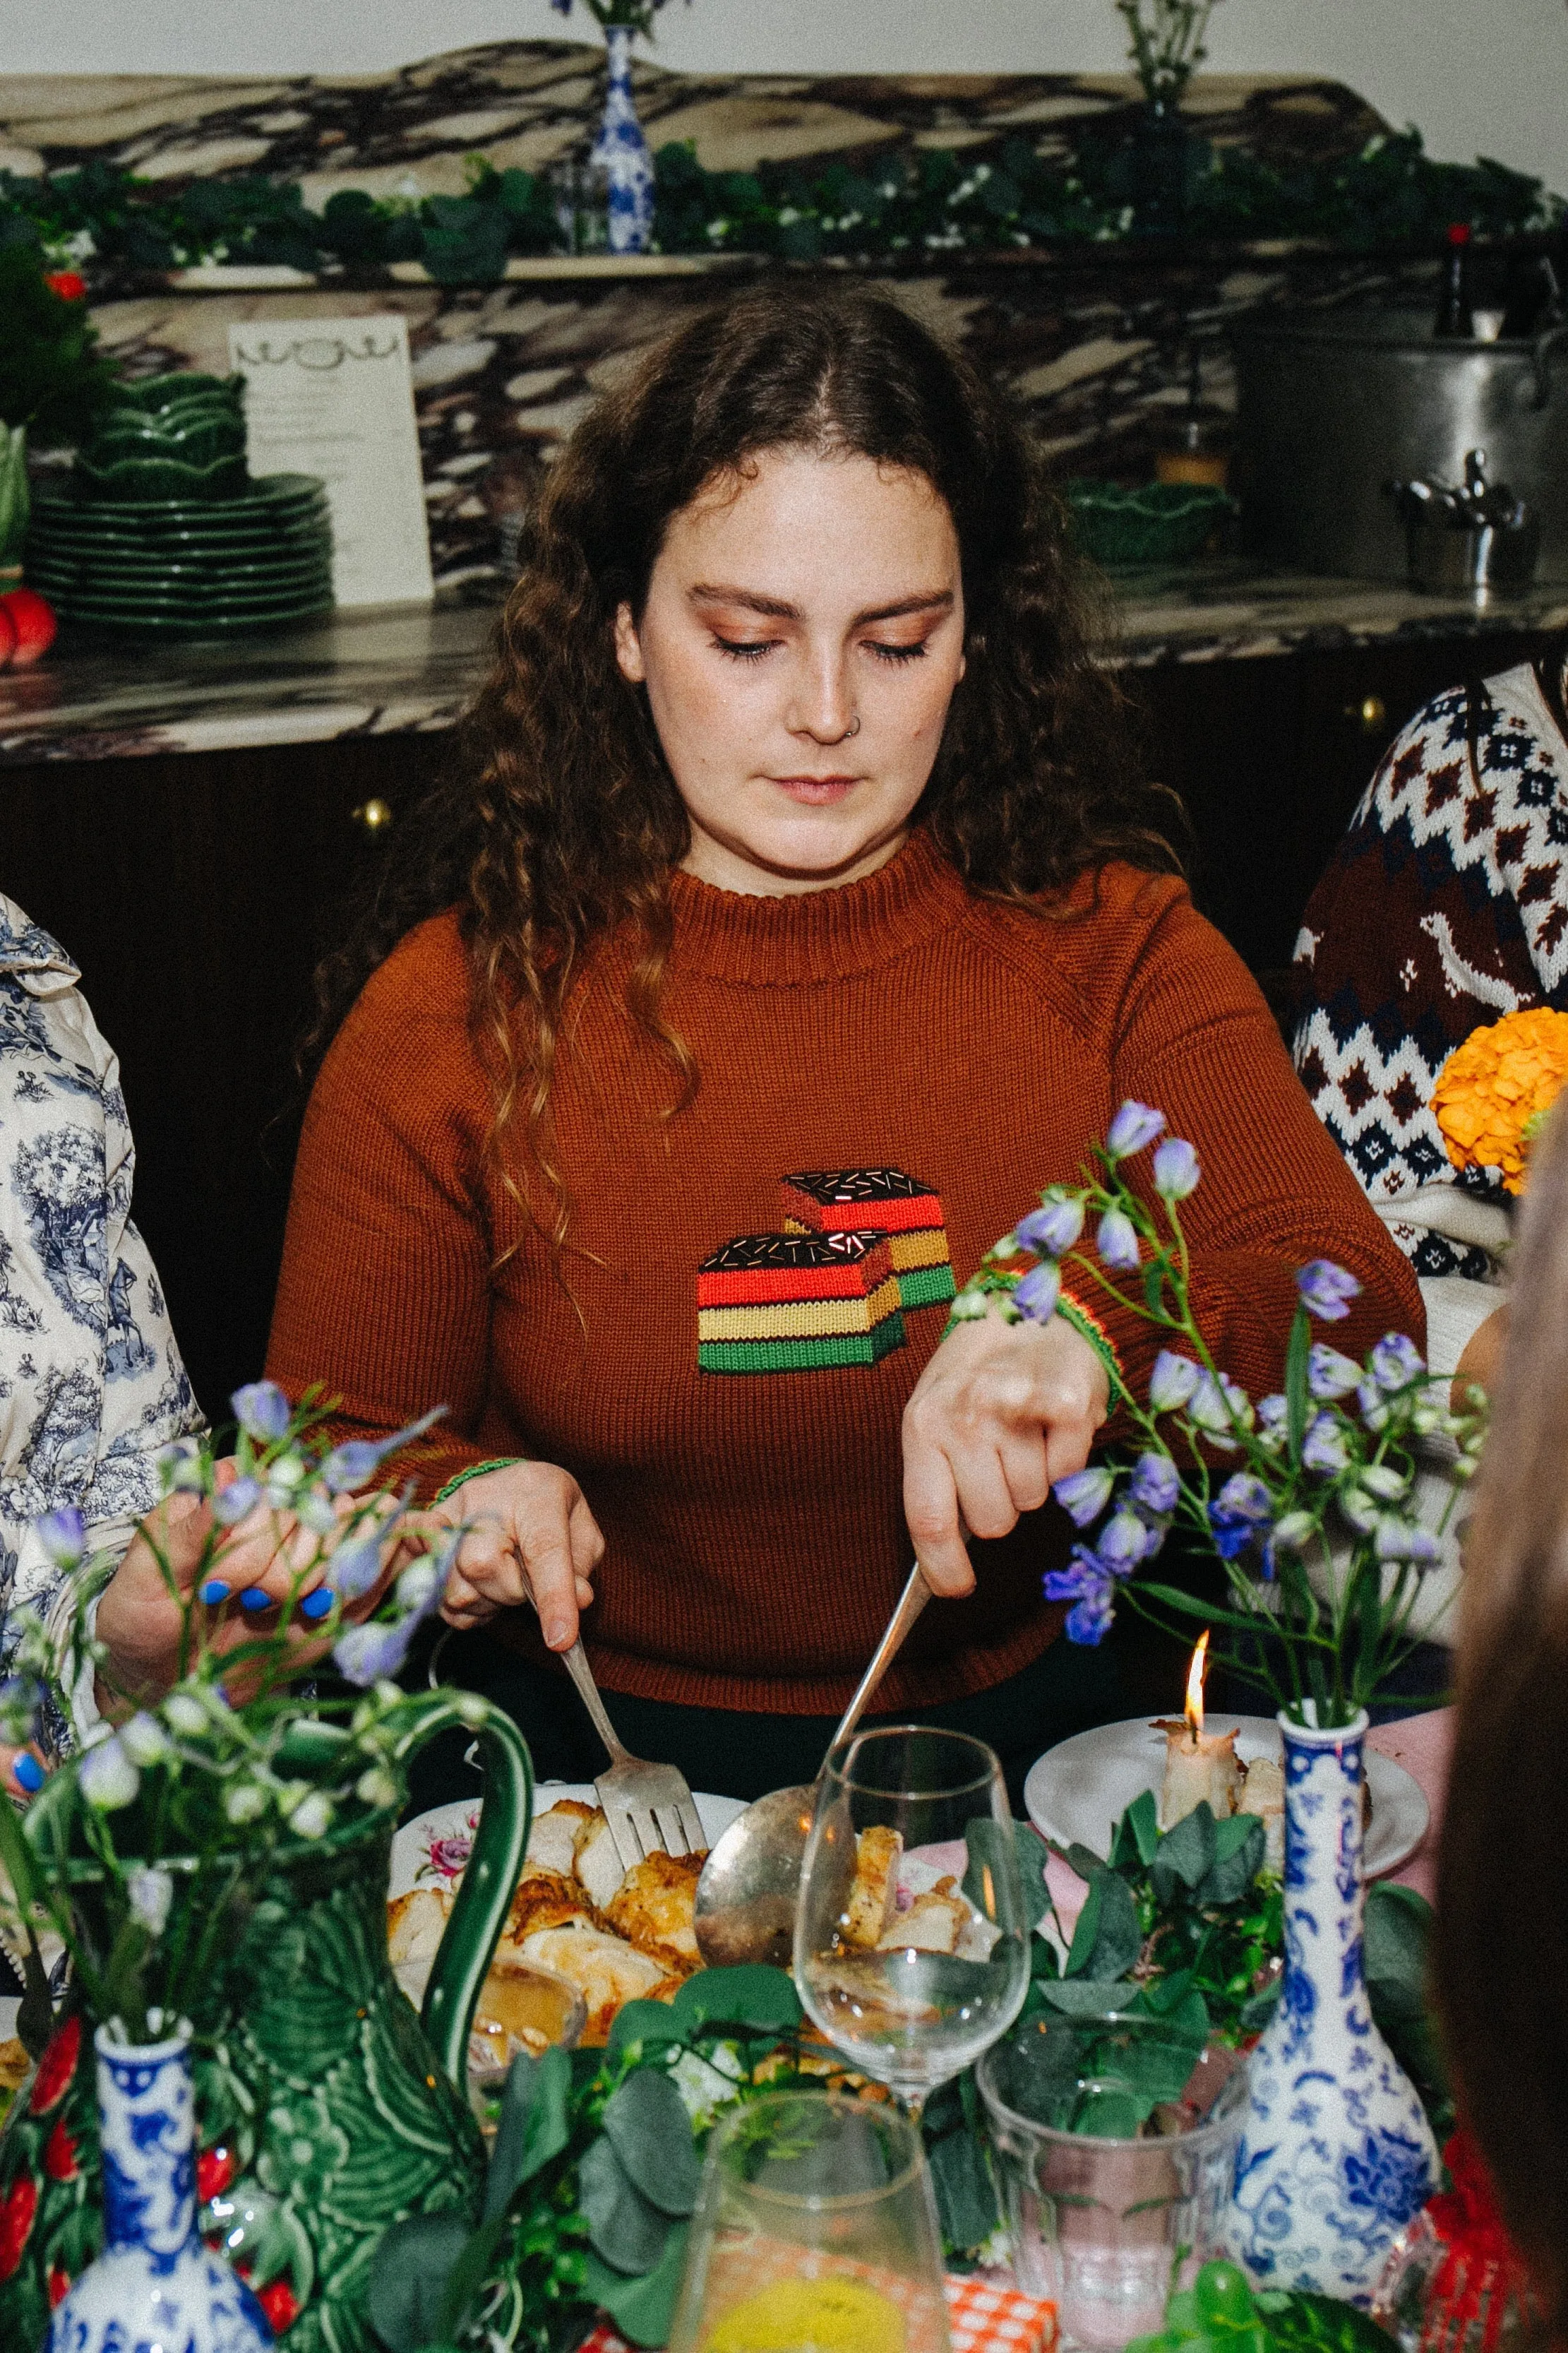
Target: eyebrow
[{"x": 775, "y": 608}]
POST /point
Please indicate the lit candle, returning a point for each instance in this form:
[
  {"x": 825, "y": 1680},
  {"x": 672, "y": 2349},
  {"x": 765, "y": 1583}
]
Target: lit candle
[{"x": 1198, "y": 1763}]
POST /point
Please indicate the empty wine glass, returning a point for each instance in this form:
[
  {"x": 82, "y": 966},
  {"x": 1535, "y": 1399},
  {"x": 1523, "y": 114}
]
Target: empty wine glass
[
  {"x": 911, "y": 1939},
  {"x": 816, "y": 2227}
]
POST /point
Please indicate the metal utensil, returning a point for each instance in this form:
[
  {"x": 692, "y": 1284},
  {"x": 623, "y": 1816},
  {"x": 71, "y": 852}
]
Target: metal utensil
[
  {"x": 649, "y": 1808},
  {"x": 747, "y": 1893}
]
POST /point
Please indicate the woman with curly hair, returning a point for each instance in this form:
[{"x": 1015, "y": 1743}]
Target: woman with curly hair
[{"x": 796, "y": 914}]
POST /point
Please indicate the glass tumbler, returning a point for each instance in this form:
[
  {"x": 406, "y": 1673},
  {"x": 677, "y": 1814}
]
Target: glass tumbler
[
  {"x": 816, "y": 2227},
  {"x": 1107, "y": 2228},
  {"x": 911, "y": 1939}
]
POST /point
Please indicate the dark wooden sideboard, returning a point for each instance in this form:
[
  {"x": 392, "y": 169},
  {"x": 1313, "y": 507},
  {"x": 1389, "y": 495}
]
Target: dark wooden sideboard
[{"x": 197, "y": 891}]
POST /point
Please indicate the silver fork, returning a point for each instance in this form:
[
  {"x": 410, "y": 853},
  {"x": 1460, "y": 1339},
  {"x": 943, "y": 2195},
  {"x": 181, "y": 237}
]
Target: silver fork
[{"x": 649, "y": 1808}]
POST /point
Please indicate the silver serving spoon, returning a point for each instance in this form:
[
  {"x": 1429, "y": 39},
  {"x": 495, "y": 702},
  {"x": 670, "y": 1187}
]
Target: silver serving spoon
[{"x": 746, "y": 1895}]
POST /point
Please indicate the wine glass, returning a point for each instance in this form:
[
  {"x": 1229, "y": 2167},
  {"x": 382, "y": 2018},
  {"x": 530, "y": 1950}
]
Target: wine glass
[
  {"x": 815, "y": 2226},
  {"x": 912, "y": 1946}
]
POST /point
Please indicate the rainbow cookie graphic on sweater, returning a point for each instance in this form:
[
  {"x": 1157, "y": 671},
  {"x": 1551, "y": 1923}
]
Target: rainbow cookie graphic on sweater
[
  {"x": 835, "y": 1200},
  {"x": 789, "y": 1303}
]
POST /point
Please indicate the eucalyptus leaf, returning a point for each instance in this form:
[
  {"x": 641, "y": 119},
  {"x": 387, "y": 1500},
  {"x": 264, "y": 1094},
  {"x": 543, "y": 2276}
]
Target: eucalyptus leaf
[
  {"x": 1110, "y": 2115},
  {"x": 752, "y": 2000},
  {"x": 646, "y": 2125},
  {"x": 533, "y": 2127},
  {"x": 1138, "y": 1833},
  {"x": 992, "y": 1850},
  {"x": 1108, "y": 1938},
  {"x": 642, "y": 2309},
  {"x": 1240, "y": 1842},
  {"x": 408, "y": 2278},
  {"x": 1033, "y": 1856},
  {"x": 1399, "y": 1931},
  {"x": 650, "y": 2024},
  {"x": 965, "y": 2192},
  {"x": 1090, "y": 1998},
  {"x": 624, "y": 2229},
  {"x": 1186, "y": 1854}
]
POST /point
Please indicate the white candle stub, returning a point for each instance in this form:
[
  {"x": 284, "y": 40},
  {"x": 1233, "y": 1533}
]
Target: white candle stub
[{"x": 1199, "y": 1766}]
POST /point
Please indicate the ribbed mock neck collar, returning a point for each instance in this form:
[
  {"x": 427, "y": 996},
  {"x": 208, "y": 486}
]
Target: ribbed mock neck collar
[{"x": 817, "y": 936}]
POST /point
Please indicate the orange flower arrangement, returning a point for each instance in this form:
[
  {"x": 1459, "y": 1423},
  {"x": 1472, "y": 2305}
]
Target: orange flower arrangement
[{"x": 1494, "y": 1091}]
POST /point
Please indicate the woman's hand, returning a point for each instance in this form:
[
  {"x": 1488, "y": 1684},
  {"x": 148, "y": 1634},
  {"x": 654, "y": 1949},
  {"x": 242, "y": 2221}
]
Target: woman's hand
[
  {"x": 534, "y": 1539},
  {"x": 1001, "y": 1412},
  {"x": 262, "y": 1561}
]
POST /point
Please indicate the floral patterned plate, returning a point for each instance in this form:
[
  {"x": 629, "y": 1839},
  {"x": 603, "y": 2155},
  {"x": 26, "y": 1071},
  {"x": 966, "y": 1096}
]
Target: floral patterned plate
[{"x": 432, "y": 1851}]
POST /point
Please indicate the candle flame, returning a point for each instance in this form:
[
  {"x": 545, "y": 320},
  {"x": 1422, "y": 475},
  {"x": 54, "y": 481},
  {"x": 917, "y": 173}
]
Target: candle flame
[{"x": 1194, "y": 1706}]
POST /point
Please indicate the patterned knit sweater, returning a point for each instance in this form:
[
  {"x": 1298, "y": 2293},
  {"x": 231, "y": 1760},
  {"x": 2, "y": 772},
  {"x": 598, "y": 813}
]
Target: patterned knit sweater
[
  {"x": 727, "y": 1373},
  {"x": 1445, "y": 907}
]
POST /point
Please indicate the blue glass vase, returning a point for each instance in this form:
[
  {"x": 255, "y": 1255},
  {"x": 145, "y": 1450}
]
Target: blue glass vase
[
  {"x": 622, "y": 152},
  {"x": 1336, "y": 2153},
  {"x": 155, "y": 2285}
]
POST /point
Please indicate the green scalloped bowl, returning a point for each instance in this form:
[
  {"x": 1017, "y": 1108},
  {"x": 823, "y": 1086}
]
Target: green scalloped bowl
[
  {"x": 154, "y": 394},
  {"x": 144, "y": 481},
  {"x": 1157, "y": 522},
  {"x": 261, "y": 497}
]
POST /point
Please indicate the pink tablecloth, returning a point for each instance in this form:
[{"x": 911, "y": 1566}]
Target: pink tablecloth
[{"x": 1420, "y": 1743}]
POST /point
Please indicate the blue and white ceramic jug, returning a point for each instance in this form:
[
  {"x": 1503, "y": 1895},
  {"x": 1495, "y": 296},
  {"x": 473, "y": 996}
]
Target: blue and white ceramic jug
[
  {"x": 622, "y": 152},
  {"x": 1336, "y": 2154},
  {"x": 155, "y": 2285}
]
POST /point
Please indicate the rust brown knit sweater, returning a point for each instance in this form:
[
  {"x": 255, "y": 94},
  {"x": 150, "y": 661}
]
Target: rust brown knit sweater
[{"x": 755, "y": 1530}]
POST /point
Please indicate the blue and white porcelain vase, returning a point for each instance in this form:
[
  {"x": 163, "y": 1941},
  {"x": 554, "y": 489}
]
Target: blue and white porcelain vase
[
  {"x": 155, "y": 2285},
  {"x": 622, "y": 152},
  {"x": 1336, "y": 2153}
]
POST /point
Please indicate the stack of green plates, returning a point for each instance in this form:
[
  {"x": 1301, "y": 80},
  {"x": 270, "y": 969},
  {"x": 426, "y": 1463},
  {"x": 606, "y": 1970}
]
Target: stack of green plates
[{"x": 260, "y": 559}]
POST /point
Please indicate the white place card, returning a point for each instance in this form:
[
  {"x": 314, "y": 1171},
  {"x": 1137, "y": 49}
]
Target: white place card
[{"x": 334, "y": 397}]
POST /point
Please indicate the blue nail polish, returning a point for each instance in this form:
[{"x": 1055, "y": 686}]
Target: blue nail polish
[
  {"x": 256, "y": 1597},
  {"x": 214, "y": 1591},
  {"x": 316, "y": 1604},
  {"x": 28, "y": 1772}
]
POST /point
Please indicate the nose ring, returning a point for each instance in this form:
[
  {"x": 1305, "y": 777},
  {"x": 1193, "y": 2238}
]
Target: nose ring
[{"x": 853, "y": 728}]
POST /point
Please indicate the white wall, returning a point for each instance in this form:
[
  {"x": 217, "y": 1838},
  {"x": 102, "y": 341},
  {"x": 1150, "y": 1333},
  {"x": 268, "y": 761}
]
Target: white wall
[{"x": 1477, "y": 76}]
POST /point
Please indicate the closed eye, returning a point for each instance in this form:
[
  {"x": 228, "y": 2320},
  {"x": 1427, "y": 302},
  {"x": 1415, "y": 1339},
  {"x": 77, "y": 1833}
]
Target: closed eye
[
  {"x": 742, "y": 649},
  {"x": 896, "y": 654}
]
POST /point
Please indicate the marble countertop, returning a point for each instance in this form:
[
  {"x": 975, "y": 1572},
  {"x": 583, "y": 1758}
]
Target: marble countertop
[{"x": 407, "y": 670}]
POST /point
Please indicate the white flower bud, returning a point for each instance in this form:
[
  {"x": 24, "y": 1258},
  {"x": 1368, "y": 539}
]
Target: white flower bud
[
  {"x": 183, "y": 1712},
  {"x": 313, "y": 1816},
  {"x": 377, "y": 1788},
  {"x": 144, "y": 1739},
  {"x": 244, "y": 1801},
  {"x": 150, "y": 1892}
]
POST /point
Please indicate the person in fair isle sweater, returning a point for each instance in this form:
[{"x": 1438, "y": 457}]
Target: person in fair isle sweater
[
  {"x": 1444, "y": 907},
  {"x": 796, "y": 916}
]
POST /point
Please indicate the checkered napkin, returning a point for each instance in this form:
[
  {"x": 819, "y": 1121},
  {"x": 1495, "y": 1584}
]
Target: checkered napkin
[{"x": 984, "y": 2315}]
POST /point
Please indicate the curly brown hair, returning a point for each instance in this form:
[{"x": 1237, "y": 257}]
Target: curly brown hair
[{"x": 560, "y": 822}]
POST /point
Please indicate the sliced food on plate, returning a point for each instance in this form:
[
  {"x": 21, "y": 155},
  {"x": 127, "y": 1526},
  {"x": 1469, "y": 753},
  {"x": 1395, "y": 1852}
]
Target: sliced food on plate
[{"x": 614, "y": 1936}]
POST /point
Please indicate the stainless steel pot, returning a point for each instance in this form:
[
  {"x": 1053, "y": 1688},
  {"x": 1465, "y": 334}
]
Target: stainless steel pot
[{"x": 1333, "y": 405}]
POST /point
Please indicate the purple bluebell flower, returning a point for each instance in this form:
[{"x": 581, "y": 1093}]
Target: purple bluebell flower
[
  {"x": 262, "y": 1411},
  {"x": 1090, "y": 1582},
  {"x": 1241, "y": 1511},
  {"x": 1216, "y": 1405},
  {"x": 1396, "y": 1361},
  {"x": 358, "y": 1460},
  {"x": 353, "y": 1568},
  {"x": 1400, "y": 1539},
  {"x": 236, "y": 1500},
  {"x": 1116, "y": 1239},
  {"x": 1327, "y": 1290},
  {"x": 1085, "y": 1495},
  {"x": 1176, "y": 1170},
  {"x": 1273, "y": 1415},
  {"x": 63, "y": 1535},
  {"x": 1171, "y": 1382},
  {"x": 366, "y": 1654},
  {"x": 1052, "y": 1229},
  {"x": 1125, "y": 1541},
  {"x": 1324, "y": 1447},
  {"x": 1037, "y": 1295},
  {"x": 106, "y": 1776},
  {"x": 1135, "y": 1125},
  {"x": 1371, "y": 1403},
  {"x": 1330, "y": 1375},
  {"x": 1155, "y": 1484}
]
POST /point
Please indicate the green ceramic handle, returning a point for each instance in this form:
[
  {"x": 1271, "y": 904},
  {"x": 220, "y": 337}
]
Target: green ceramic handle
[{"x": 495, "y": 1866}]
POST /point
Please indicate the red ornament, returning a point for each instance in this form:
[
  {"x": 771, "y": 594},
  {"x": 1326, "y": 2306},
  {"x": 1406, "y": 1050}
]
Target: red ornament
[
  {"x": 215, "y": 2169},
  {"x": 59, "y": 2154},
  {"x": 18, "y": 2209},
  {"x": 58, "y": 2065},
  {"x": 60, "y": 2285},
  {"x": 68, "y": 283},
  {"x": 33, "y": 626},
  {"x": 280, "y": 2302}
]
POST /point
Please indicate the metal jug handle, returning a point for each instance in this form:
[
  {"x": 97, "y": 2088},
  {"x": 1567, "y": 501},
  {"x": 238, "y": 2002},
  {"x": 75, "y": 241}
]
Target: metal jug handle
[
  {"x": 1541, "y": 351},
  {"x": 506, "y": 1813}
]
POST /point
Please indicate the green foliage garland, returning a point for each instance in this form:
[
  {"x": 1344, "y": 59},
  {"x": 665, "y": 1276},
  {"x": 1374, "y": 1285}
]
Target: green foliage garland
[{"x": 1391, "y": 193}]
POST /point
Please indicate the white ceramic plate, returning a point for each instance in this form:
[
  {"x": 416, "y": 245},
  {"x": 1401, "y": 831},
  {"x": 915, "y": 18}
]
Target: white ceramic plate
[
  {"x": 432, "y": 1851},
  {"x": 1080, "y": 1788}
]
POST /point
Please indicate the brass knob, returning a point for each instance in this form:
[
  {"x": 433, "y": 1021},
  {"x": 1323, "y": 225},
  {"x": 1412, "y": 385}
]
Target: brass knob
[
  {"x": 373, "y": 816},
  {"x": 1371, "y": 714}
]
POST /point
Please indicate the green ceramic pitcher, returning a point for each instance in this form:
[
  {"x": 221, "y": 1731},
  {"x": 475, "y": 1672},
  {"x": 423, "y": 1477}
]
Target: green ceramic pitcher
[{"x": 326, "y": 2110}]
